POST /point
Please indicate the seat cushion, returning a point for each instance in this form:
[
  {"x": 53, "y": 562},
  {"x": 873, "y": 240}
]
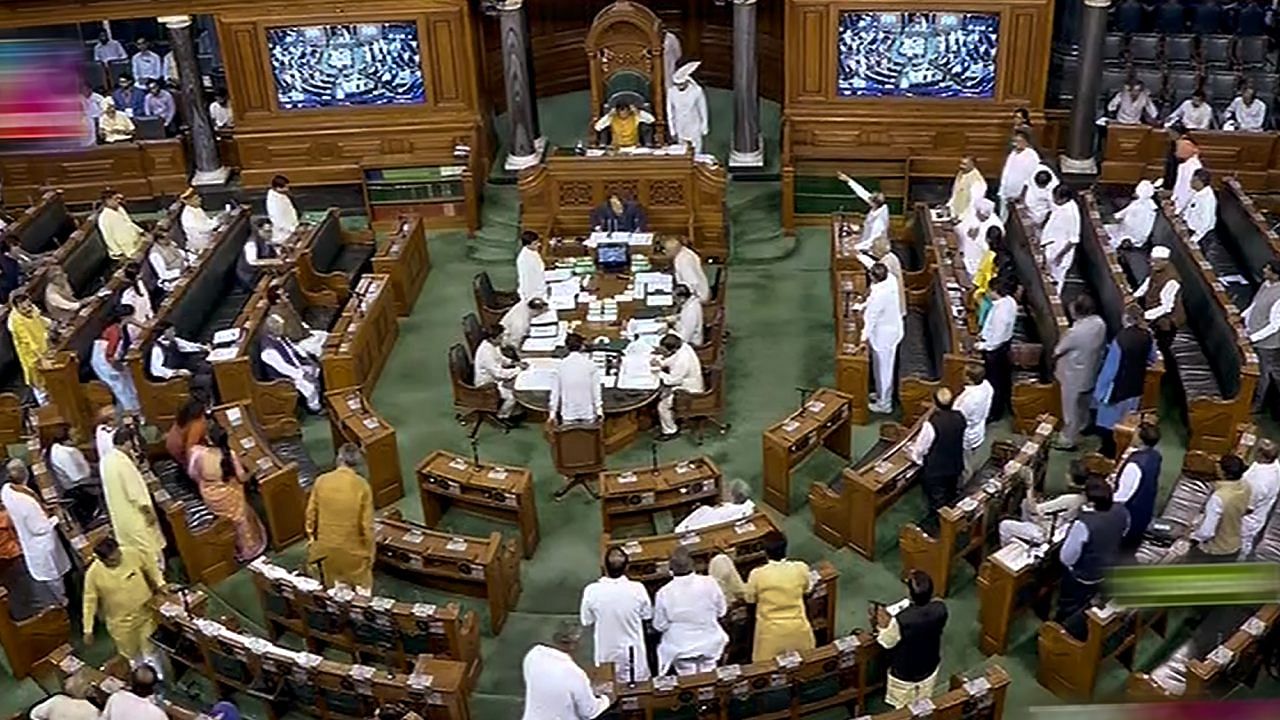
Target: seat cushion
[
  {"x": 318, "y": 317},
  {"x": 1194, "y": 371},
  {"x": 915, "y": 359},
  {"x": 292, "y": 449},
  {"x": 353, "y": 258},
  {"x": 224, "y": 316}
]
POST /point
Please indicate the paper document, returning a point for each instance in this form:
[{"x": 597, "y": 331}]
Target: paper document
[
  {"x": 544, "y": 331},
  {"x": 540, "y": 344},
  {"x": 649, "y": 326},
  {"x": 659, "y": 300},
  {"x": 636, "y": 374},
  {"x": 558, "y": 275},
  {"x": 226, "y": 337},
  {"x": 540, "y": 374},
  {"x": 221, "y": 354},
  {"x": 562, "y": 302},
  {"x": 640, "y": 239}
]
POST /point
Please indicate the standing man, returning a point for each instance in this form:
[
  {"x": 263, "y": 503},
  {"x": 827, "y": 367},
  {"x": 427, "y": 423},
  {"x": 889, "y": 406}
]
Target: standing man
[
  {"x": 687, "y": 611},
  {"x": 1161, "y": 297},
  {"x": 1218, "y": 537},
  {"x": 281, "y": 210},
  {"x": 688, "y": 324},
  {"x": 687, "y": 108},
  {"x": 1187, "y": 154},
  {"x": 617, "y": 607},
  {"x": 146, "y": 64},
  {"x": 687, "y": 267},
  {"x": 197, "y": 227},
  {"x": 672, "y": 51},
  {"x": 915, "y": 637},
  {"x": 1263, "y": 479},
  {"x": 37, "y": 533},
  {"x": 340, "y": 535},
  {"x": 522, "y": 316},
  {"x": 1076, "y": 360},
  {"x": 575, "y": 391},
  {"x": 974, "y": 403},
  {"x": 876, "y": 223},
  {"x": 678, "y": 369},
  {"x": 531, "y": 279},
  {"x": 1262, "y": 321},
  {"x": 108, "y": 49},
  {"x": 1061, "y": 235},
  {"x": 555, "y": 687},
  {"x": 1123, "y": 376},
  {"x": 972, "y": 233},
  {"x": 1200, "y": 213},
  {"x": 122, "y": 581},
  {"x": 994, "y": 342},
  {"x": 122, "y": 236},
  {"x": 939, "y": 451},
  {"x": 778, "y": 588},
  {"x": 133, "y": 515},
  {"x": 968, "y": 186},
  {"x": 1138, "y": 484},
  {"x": 882, "y": 329},
  {"x": 1019, "y": 169},
  {"x": 1037, "y": 196},
  {"x": 1091, "y": 547},
  {"x": 29, "y": 329}
]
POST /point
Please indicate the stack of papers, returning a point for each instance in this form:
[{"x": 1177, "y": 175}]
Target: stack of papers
[
  {"x": 1013, "y": 556},
  {"x": 539, "y": 376},
  {"x": 558, "y": 275},
  {"x": 636, "y": 374},
  {"x": 649, "y": 326}
]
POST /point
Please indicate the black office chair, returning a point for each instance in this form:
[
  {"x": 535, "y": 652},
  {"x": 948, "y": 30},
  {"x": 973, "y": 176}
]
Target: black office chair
[
  {"x": 1179, "y": 50},
  {"x": 1113, "y": 49},
  {"x": 1215, "y": 51},
  {"x": 1251, "y": 52},
  {"x": 1144, "y": 49},
  {"x": 148, "y": 128}
]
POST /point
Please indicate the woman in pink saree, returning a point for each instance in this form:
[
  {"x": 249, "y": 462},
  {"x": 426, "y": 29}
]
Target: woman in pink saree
[{"x": 221, "y": 477}]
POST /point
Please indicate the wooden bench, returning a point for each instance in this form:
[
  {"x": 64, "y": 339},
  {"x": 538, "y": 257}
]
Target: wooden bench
[
  {"x": 203, "y": 301},
  {"x": 943, "y": 271},
  {"x": 502, "y": 492},
  {"x": 330, "y": 258},
  {"x": 1245, "y": 242},
  {"x": 1222, "y": 654},
  {"x": 286, "y": 680},
  {"x": 280, "y": 482},
  {"x": 43, "y": 227},
  {"x": 240, "y": 379},
  {"x": 406, "y": 259},
  {"x": 140, "y": 169},
  {"x": 1212, "y": 357},
  {"x": 1035, "y": 390},
  {"x": 967, "y": 528},
  {"x": 372, "y": 629},
  {"x": 362, "y": 338},
  {"x": 823, "y": 420},
  {"x": 26, "y": 642},
  {"x": 81, "y": 539},
  {"x": 353, "y": 420},
  {"x": 480, "y": 567},
  {"x": 848, "y": 289},
  {"x": 631, "y": 498}
]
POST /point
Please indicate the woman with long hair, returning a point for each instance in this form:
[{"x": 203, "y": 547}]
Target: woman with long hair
[
  {"x": 107, "y": 359},
  {"x": 189, "y": 428},
  {"x": 216, "y": 469}
]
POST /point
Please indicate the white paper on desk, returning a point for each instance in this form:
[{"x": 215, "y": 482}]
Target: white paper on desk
[
  {"x": 596, "y": 238},
  {"x": 226, "y": 337},
  {"x": 659, "y": 300},
  {"x": 221, "y": 354},
  {"x": 1233, "y": 280},
  {"x": 539, "y": 376},
  {"x": 706, "y": 159},
  {"x": 647, "y": 326},
  {"x": 595, "y": 152},
  {"x": 656, "y": 280},
  {"x": 558, "y": 275},
  {"x": 545, "y": 330},
  {"x": 562, "y": 302},
  {"x": 568, "y": 288},
  {"x": 1013, "y": 556},
  {"x": 635, "y": 373},
  {"x": 641, "y": 238},
  {"x": 608, "y": 381}
]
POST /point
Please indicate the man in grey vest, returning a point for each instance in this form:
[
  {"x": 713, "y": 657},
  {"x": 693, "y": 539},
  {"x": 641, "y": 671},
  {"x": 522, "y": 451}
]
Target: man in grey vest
[
  {"x": 1077, "y": 359},
  {"x": 1262, "y": 321}
]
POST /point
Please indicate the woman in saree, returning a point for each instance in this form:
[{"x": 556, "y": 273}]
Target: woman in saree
[
  {"x": 188, "y": 429},
  {"x": 221, "y": 477}
]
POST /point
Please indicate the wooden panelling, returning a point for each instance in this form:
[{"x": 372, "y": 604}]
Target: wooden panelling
[
  {"x": 813, "y": 38},
  {"x": 140, "y": 170},
  {"x": 1134, "y": 152},
  {"x": 446, "y": 49}
]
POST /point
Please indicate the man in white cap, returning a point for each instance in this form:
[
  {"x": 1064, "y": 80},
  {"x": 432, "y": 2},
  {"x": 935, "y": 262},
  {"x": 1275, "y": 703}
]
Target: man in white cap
[
  {"x": 877, "y": 221},
  {"x": 687, "y": 107},
  {"x": 972, "y": 233},
  {"x": 1135, "y": 220},
  {"x": 1161, "y": 297}
]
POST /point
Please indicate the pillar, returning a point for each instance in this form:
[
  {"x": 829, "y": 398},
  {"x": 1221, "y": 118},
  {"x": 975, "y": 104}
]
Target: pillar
[
  {"x": 522, "y": 110},
  {"x": 747, "y": 151},
  {"x": 1080, "y": 151},
  {"x": 209, "y": 168}
]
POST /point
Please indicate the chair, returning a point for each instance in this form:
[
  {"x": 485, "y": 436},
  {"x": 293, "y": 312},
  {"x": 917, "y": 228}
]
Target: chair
[
  {"x": 1220, "y": 86},
  {"x": 1179, "y": 50},
  {"x": 1181, "y": 83},
  {"x": 1153, "y": 78},
  {"x": 472, "y": 333},
  {"x": 1144, "y": 49},
  {"x": 95, "y": 75},
  {"x": 577, "y": 451},
  {"x": 1113, "y": 49},
  {"x": 1215, "y": 51},
  {"x": 471, "y": 403},
  {"x": 1251, "y": 52},
  {"x": 704, "y": 407},
  {"x": 624, "y": 51},
  {"x": 1113, "y": 80},
  {"x": 713, "y": 334},
  {"x": 491, "y": 304},
  {"x": 116, "y": 68}
]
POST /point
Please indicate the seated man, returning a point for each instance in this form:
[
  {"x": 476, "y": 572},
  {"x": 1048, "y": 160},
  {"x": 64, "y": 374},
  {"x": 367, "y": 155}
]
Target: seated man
[
  {"x": 688, "y": 323},
  {"x": 282, "y": 360},
  {"x": 524, "y": 315},
  {"x": 172, "y": 356},
  {"x": 735, "y": 504},
  {"x": 494, "y": 366},
  {"x": 259, "y": 254},
  {"x": 75, "y": 478},
  {"x": 1194, "y": 113},
  {"x": 167, "y": 260},
  {"x": 1246, "y": 112},
  {"x": 306, "y": 338},
  {"x": 1132, "y": 105},
  {"x": 113, "y": 125},
  {"x": 123, "y": 237},
  {"x": 60, "y": 300},
  {"x": 617, "y": 215},
  {"x": 159, "y": 103},
  {"x": 1135, "y": 220},
  {"x": 1040, "y": 517},
  {"x": 678, "y": 368},
  {"x": 197, "y": 226},
  {"x": 624, "y": 126}
]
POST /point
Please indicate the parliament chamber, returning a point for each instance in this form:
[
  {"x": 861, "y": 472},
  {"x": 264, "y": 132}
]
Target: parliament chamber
[{"x": 416, "y": 334}]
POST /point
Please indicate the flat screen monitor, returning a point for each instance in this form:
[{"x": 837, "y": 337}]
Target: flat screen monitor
[
  {"x": 917, "y": 54},
  {"x": 613, "y": 256},
  {"x": 352, "y": 65}
]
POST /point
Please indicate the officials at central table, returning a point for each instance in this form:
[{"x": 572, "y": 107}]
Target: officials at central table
[
  {"x": 617, "y": 214},
  {"x": 678, "y": 369}
]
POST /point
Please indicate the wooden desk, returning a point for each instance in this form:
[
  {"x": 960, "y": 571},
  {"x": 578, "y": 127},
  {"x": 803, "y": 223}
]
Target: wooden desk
[
  {"x": 630, "y": 498},
  {"x": 848, "y": 290},
  {"x": 1234, "y": 659},
  {"x": 679, "y": 196},
  {"x": 506, "y": 493},
  {"x": 1036, "y": 393},
  {"x": 406, "y": 259},
  {"x": 317, "y": 247},
  {"x": 273, "y": 403},
  {"x": 362, "y": 338},
  {"x": 352, "y": 419},
  {"x": 371, "y": 629},
  {"x": 946, "y": 275},
  {"x": 284, "y": 501},
  {"x": 1069, "y": 667},
  {"x": 480, "y": 567},
  {"x": 966, "y": 529},
  {"x": 824, "y": 419},
  {"x": 1134, "y": 152},
  {"x": 141, "y": 170},
  {"x": 27, "y": 642}
]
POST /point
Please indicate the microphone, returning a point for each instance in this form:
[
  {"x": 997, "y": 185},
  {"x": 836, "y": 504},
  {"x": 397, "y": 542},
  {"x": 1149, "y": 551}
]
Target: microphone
[
  {"x": 653, "y": 457},
  {"x": 804, "y": 394},
  {"x": 631, "y": 665},
  {"x": 475, "y": 451}
]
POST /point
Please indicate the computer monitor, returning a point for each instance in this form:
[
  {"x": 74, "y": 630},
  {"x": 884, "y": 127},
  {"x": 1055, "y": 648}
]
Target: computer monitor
[{"x": 613, "y": 257}]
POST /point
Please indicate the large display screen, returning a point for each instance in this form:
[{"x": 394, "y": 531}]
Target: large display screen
[
  {"x": 917, "y": 54},
  {"x": 318, "y": 66}
]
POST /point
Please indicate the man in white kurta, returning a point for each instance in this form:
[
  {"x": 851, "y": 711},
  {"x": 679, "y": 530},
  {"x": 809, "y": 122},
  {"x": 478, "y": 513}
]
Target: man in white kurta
[
  {"x": 974, "y": 403},
  {"x": 617, "y": 606},
  {"x": 1135, "y": 220},
  {"x": 968, "y": 186},
  {"x": 281, "y": 210},
  {"x": 575, "y": 391},
  {"x": 1037, "y": 196},
  {"x": 1061, "y": 235},
  {"x": 492, "y": 367},
  {"x": 687, "y": 108},
  {"x": 531, "y": 273},
  {"x": 678, "y": 368},
  {"x": 688, "y": 269},
  {"x": 522, "y": 316},
  {"x": 197, "y": 226},
  {"x": 876, "y": 222},
  {"x": 1194, "y": 113},
  {"x": 971, "y": 234},
  {"x": 882, "y": 330},
  {"x": 287, "y": 360},
  {"x": 1182, "y": 190},
  {"x": 688, "y": 323},
  {"x": 1263, "y": 479},
  {"x": 1246, "y": 112},
  {"x": 37, "y": 532},
  {"x": 735, "y": 504},
  {"x": 1019, "y": 168},
  {"x": 1201, "y": 211},
  {"x": 555, "y": 688},
  {"x": 687, "y": 611}
]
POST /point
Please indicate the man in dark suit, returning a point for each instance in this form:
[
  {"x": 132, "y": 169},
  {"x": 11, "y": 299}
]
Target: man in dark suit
[{"x": 618, "y": 215}]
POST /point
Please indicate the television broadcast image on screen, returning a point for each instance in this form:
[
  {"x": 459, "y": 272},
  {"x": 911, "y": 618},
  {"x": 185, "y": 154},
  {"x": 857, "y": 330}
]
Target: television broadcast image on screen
[
  {"x": 917, "y": 54},
  {"x": 319, "y": 66}
]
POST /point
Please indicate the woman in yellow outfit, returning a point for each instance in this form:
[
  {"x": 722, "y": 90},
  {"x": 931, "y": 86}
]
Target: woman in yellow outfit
[
  {"x": 122, "y": 581},
  {"x": 778, "y": 589},
  {"x": 30, "y": 331}
]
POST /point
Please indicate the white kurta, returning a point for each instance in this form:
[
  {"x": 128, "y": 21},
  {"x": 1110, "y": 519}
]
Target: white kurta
[
  {"x": 490, "y": 366},
  {"x": 104, "y": 440},
  {"x": 575, "y": 392},
  {"x": 37, "y": 533},
  {"x": 283, "y": 215},
  {"x": 684, "y": 370},
  {"x": 198, "y": 228},
  {"x": 972, "y": 236},
  {"x": 517, "y": 321},
  {"x": 617, "y": 609},
  {"x": 531, "y": 278},
  {"x": 708, "y": 515},
  {"x": 1201, "y": 212},
  {"x": 882, "y": 326},
  {"x": 688, "y": 272},
  {"x": 687, "y": 611},
  {"x": 1247, "y": 117},
  {"x": 1136, "y": 220},
  {"x": 1061, "y": 235},
  {"x": 1263, "y": 480},
  {"x": 1182, "y": 191},
  {"x": 687, "y": 114},
  {"x": 1195, "y": 118},
  {"x": 1019, "y": 168},
  {"x": 875, "y": 224},
  {"x": 305, "y": 378},
  {"x": 555, "y": 688},
  {"x": 689, "y": 322},
  {"x": 1039, "y": 200}
]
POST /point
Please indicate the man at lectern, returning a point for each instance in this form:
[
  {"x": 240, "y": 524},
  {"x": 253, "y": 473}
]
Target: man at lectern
[
  {"x": 618, "y": 215},
  {"x": 625, "y": 126}
]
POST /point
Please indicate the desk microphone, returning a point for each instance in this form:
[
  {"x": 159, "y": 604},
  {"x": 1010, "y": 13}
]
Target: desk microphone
[
  {"x": 319, "y": 565},
  {"x": 1053, "y": 523},
  {"x": 804, "y": 394},
  {"x": 475, "y": 451},
  {"x": 653, "y": 456},
  {"x": 631, "y": 665}
]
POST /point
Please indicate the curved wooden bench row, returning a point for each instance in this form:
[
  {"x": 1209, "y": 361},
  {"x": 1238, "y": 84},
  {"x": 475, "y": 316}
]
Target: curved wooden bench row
[
  {"x": 29, "y": 641},
  {"x": 63, "y": 662},
  {"x": 848, "y": 288},
  {"x": 1209, "y": 667},
  {"x": 329, "y": 257},
  {"x": 1240, "y": 220},
  {"x": 362, "y": 337},
  {"x": 631, "y": 498},
  {"x": 406, "y": 258},
  {"x": 821, "y": 421},
  {"x": 279, "y": 483},
  {"x": 502, "y": 492},
  {"x": 43, "y": 227}
]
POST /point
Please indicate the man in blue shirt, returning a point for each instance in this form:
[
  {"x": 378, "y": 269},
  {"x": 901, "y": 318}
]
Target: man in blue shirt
[{"x": 129, "y": 98}]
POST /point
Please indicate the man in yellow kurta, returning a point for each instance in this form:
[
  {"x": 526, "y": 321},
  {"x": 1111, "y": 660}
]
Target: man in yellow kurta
[
  {"x": 122, "y": 236},
  {"x": 133, "y": 516},
  {"x": 778, "y": 588},
  {"x": 122, "y": 581},
  {"x": 340, "y": 523},
  {"x": 30, "y": 332}
]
